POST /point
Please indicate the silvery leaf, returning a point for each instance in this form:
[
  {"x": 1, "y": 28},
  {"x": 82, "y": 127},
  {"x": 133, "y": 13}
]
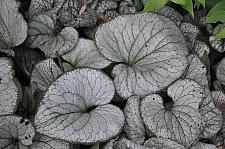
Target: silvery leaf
[
  {"x": 45, "y": 73},
  {"x": 190, "y": 32},
  {"x": 200, "y": 48},
  {"x": 44, "y": 142},
  {"x": 170, "y": 13},
  {"x": 75, "y": 108},
  {"x": 124, "y": 143},
  {"x": 179, "y": 119},
  {"x": 152, "y": 53},
  {"x": 196, "y": 70},
  {"x": 134, "y": 126},
  {"x": 162, "y": 143},
  {"x": 109, "y": 144},
  {"x": 13, "y": 28},
  {"x": 14, "y": 130},
  {"x": 43, "y": 34},
  {"x": 220, "y": 72},
  {"x": 10, "y": 89},
  {"x": 201, "y": 145},
  {"x": 211, "y": 116},
  {"x": 85, "y": 54},
  {"x": 104, "y": 5},
  {"x": 218, "y": 45}
]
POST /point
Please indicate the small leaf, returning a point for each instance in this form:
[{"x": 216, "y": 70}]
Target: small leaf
[
  {"x": 75, "y": 108},
  {"x": 14, "y": 130},
  {"x": 221, "y": 34},
  {"x": 153, "y": 5},
  {"x": 10, "y": 89},
  {"x": 85, "y": 54},
  {"x": 220, "y": 72},
  {"x": 42, "y": 34},
  {"x": 189, "y": 7},
  {"x": 216, "y": 13},
  {"x": 178, "y": 119},
  {"x": 219, "y": 44},
  {"x": 13, "y": 28},
  {"x": 202, "y": 50}
]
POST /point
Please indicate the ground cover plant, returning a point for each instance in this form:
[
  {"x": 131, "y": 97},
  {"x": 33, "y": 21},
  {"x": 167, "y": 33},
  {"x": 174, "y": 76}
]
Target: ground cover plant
[{"x": 112, "y": 74}]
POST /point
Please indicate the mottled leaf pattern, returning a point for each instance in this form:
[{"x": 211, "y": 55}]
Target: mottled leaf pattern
[
  {"x": 200, "y": 48},
  {"x": 218, "y": 45},
  {"x": 190, "y": 32},
  {"x": 211, "y": 115},
  {"x": 197, "y": 70},
  {"x": 13, "y": 130},
  {"x": 180, "y": 121},
  {"x": 124, "y": 143},
  {"x": 85, "y": 54},
  {"x": 10, "y": 90},
  {"x": 13, "y": 28},
  {"x": 170, "y": 13},
  {"x": 75, "y": 108},
  {"x": 44, "y": 73},
  {"x": 134, "y": 127},
  {"x": 220, "y": 72},
  {"x": 43, "y": 34},
  {"x": 162, "y": 143},
  {"x": 153, "y": 52}
]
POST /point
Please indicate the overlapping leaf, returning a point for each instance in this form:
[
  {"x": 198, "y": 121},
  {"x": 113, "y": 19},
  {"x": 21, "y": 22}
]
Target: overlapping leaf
[
  {"x": 201, "y": 145},
  {"x": 13, "y": 28},
  {"x": 42, "y": 33},
  {"x": 217, "y": 44},
  {"x": 200, "y": 48},
  {"x": 179, "y": 119},
  {"x": 124, "y": 143},
  {"x": 134, "y": 126},
  {"x": 10, "y": 90},
  {"x": 162, "y": 143},
  {"x": 150, "y": 47},
  {"x": 220, "y": 72},
  {"x": 75, "y": 108},
  {"x": 85, "y": 54},
  {"x": 45, "y": 73},
  {"x": 14, "y": 130}
]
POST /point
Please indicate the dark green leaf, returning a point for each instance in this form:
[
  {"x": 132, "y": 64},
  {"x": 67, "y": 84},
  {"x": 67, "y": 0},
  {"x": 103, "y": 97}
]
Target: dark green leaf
[
  {"x": 216, "y": 13},
  {"x": 221, "y": 34}
]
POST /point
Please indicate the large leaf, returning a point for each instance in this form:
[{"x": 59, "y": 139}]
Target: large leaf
[
  {"x": 179, "y": 119},
  {"x": 153, "y": 52},
  {"x": 85, "y": 54},
  {"x": 68, "y": 12},
  {"x": 10, "y": 90},
  {"x": 44, "y": 142},
  {"x": 43, "y": 34},
  {"x": 216, "y": 13},
  {"x": 13, "y": 28},
  {"x": 211, "y": 116},
  {"x": 75, "y": 108},
  {"x": 14, "y": 130},
  {"x": 45, "y": 73},
  {"x": 162, "y": 143},
  {"x": 134, "y": 126},
  {"x": 220, "y": 72}
]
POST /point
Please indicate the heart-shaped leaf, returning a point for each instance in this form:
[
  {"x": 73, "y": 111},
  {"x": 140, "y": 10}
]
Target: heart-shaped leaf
[
  {"x": 13, "y": 28},
  {"x": 45, "y": 73},
  {"x": 162, "y": 143},
  {"x": 42, "y": 33},
  {"x": 14, "y": 130},
  {"x": 85, "y": 54},
  {"x": 10, "y": 89},
  {"x": 153, "y": 52},
  {"x": 75, "y": 108},
  {"x": 178, "y": 119}
]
